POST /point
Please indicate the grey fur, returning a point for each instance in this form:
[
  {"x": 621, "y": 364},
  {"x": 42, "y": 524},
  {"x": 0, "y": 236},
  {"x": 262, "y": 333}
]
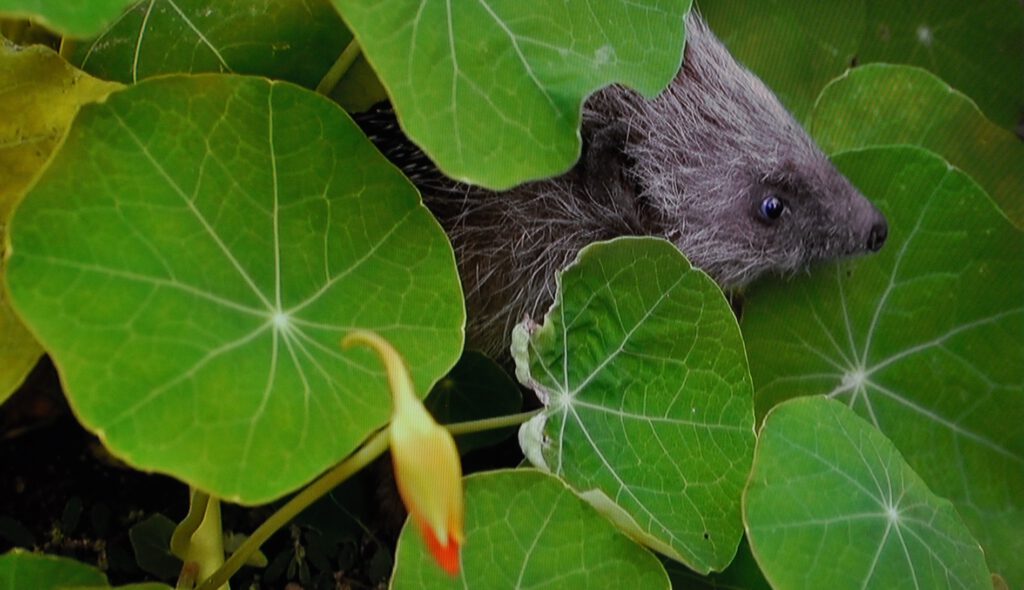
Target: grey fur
[{"x": 691, "y": 166}]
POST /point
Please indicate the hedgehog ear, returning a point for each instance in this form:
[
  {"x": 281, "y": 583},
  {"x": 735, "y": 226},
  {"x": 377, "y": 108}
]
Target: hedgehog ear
[{"x": 604, "y": 169}]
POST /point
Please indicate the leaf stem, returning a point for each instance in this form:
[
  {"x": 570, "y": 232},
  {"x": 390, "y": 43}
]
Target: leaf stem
[
  {"x": 489, "y": 423},
  {"x": 340, "y": 67},
  {"x": 182, "y": 535},
  {"x": 373, "y": 448},
  {"x": 206, "y": 546}
]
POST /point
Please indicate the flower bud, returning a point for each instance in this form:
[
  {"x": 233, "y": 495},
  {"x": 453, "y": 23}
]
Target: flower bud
[{"x": 426, "y": 462}]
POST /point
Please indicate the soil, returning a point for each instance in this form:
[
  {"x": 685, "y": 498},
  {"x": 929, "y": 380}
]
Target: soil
[{"x": 61, "y": 493}]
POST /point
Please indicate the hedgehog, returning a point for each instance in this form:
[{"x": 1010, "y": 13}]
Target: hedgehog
[{"x": 714, "y": 164}]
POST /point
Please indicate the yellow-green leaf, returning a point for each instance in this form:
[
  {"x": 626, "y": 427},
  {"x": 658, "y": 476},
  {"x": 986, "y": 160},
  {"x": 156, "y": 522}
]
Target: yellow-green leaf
[{"x": 43, "y": 93}]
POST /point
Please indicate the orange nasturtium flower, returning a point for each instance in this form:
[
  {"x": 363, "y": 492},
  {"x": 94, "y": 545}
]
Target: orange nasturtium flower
[{"x": 426, "y": 462}]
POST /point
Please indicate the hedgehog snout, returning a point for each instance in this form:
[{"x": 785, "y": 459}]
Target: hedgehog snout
[
  {"x": 869, "y": 226},
  {"x": 877, "y": 234}
]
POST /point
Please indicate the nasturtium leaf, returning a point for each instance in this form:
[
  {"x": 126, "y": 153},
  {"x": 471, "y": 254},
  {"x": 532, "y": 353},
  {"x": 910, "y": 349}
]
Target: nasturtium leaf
[
  {"x": 476, "y": 388},
  {"x": 151, "y": 544},
  {"x": 977, "y": 47},
  {"x": 192, "y": 257},
  {"x": 648, "y": 402},
  {"x": 526, "y": 529},
  {"x": 832, "y": 504},
  {"x": 77, "y": 18},
  {"x": 883, "y": 104},
  {"x": 493, "y": 91},
  {"x": 20, "y": 570},
  {"x": 293, "y": 40},
  {"x": 42, "y": 93},
  {"x": 924, "y": 339},
  {"x": 797, "y": 47}
]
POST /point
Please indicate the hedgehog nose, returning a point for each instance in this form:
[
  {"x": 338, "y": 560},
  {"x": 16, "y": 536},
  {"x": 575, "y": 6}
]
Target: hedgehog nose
[{"x": 876, "y": 237}]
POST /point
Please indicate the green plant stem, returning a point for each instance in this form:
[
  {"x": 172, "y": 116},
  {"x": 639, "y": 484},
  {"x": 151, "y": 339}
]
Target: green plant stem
[
  {"x": 373, "y": 448},
  {"x": 489, "y": 423},
  {"x": 206, "y": 547},
  {"x": 340, "y": 67},
  {"x": 187, "y": 577},
  {"x": 182, "y": 536}
]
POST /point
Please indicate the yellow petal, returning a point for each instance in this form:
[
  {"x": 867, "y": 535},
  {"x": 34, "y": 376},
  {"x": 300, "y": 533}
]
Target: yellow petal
[{"x": 428, "y": 474}]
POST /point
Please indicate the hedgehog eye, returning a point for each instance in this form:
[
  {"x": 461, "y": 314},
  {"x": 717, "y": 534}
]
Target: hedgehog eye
[{"x": 771, "y": 208}]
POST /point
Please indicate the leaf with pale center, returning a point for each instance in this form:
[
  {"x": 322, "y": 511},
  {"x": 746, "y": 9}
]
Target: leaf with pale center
[
  {"x": 648, "y": 402},
  {"x": 45, "y": 93},
  {"x": 493, "y": 90},
  {"x": 925, "y": 339},
  {"x": 526, "y": 529},
  {"x": 832, "y": 504},
  {"x": 288, "y": 40},
  {"x": 191, "y": 259}
]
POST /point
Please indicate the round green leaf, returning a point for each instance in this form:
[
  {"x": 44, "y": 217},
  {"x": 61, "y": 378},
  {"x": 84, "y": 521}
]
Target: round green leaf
[
  {"x": 882, "y": 104},
  {"x": 45, "y": 93},
  {"x": 493, "y": 91},
  {"x": 76, "y": 18},
  {"x": 20, "y": 570},
  {"x": 526, "y": 529},
  {"x": 191, "y": 259},
  {"x": 281, "y": 39},
  {"x": 647, "y": 397},
  {"x": 797, "y": 47},
  {"x": 832, "y": 504},
  {"x": 476, "y": 388},
  {"x": 924, "y": 339}
]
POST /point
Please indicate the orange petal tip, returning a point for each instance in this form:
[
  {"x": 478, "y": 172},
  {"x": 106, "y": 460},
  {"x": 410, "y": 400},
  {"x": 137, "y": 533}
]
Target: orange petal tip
[{"x": 446, "y": 556}]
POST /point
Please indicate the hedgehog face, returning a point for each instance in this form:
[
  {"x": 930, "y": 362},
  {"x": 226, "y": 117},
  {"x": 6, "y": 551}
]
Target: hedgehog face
[
  {"x": 725, "y": 172},
  {"x": 774, "y": 224}
]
